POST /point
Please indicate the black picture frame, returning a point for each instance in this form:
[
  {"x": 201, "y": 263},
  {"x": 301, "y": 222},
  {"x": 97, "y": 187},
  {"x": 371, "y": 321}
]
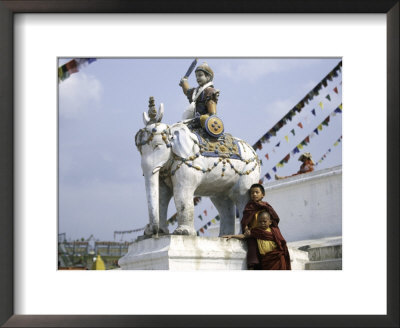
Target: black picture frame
[{"x": 7, "y": 10}]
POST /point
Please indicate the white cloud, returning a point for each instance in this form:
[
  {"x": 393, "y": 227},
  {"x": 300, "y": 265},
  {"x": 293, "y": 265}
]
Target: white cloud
[
  {"x": 79, "y": 93},
  {"x": 252, "y": 70},
  {"x": 279, "y": 108}
]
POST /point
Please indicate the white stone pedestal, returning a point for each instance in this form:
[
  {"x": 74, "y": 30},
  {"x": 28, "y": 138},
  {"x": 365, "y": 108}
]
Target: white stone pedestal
[{"x": 182, "y": 253}]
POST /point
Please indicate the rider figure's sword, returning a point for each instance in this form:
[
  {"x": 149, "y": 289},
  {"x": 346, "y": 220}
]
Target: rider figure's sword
[{"x": 191, "y": 68}]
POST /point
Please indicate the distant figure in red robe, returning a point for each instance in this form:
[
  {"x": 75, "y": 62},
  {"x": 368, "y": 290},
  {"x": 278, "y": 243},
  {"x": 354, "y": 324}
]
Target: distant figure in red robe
[
  {"x": 307, "y": 166},
  {"x": 266, "y": 247}
]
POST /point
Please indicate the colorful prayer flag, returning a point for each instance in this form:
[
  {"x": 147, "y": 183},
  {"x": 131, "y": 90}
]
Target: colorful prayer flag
[
  {"x": 300, "y": 125},
  {"x": 326, "y": 121}
]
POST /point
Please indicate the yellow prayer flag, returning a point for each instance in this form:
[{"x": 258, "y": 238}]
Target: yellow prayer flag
[
  {"x": 321, "y": 105},
  {"x": 213, "y": 221},
  {"x": 320, "y": 127},
  {"x": 300, "y": 146},
  {"x": 336, "y": 143},
  {"x": 279, "y": 165},
  {"x": 60, "y": 72},
  {"x": 340, "y": 106},
  {"x": 287, "y": 138}
]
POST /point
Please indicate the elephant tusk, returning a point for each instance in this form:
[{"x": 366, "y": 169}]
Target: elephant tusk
[
  {"x": 146, "y": 118},
  {"x": 156, "y": 169},
  {"x": 160, "y": 113}
]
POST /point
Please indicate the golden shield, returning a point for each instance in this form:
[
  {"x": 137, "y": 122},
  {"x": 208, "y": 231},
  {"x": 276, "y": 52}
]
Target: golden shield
[{"x": 214, "y": 126}]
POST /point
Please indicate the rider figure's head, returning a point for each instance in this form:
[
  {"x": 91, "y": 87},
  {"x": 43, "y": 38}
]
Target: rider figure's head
[{"x": 204, "y": 74}]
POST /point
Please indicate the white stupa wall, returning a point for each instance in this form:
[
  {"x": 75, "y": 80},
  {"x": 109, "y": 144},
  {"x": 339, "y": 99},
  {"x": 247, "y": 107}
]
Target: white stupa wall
[{"x": 309, "y": 205}]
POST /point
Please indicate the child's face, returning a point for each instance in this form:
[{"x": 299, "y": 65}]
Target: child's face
[
  {"x": 201, "y": 78},
  {"x": 256, "y": 194},
  {"x": 264, "y": 221}
]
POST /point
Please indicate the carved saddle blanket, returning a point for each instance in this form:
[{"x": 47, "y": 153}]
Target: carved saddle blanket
[{"x": 223, "y": 146}]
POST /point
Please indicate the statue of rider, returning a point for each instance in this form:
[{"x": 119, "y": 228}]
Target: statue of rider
[{"x": 204, "y": 98}]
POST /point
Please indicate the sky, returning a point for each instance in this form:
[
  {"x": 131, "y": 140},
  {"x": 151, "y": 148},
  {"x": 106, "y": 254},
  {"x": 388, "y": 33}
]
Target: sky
[{"x": 101, "y": 186}]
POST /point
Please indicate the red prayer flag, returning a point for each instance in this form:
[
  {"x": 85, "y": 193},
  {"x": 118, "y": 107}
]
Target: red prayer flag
[
  {"x": 335, "y": 89},
  {"x": 266, "y": 155},
  {"x": 300, "y": 125},
  {"x": 72, "y": 66},
  {"x": 205, "y": 212}
]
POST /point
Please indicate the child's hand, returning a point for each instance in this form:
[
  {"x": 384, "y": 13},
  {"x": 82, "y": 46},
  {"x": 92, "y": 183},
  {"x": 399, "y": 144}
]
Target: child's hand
[
  {"x": 227, "y": 237},
  {"x": 247, "y": 233}
]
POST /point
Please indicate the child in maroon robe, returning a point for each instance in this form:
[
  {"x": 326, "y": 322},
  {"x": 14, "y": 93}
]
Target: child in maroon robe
[
  {"x": 278, "y": 259},
  {"x": 271, "y": 246}
]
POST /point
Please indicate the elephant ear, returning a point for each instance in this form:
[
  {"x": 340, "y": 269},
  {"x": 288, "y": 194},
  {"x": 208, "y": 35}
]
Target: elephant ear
[{"x": 183, "y": 141}]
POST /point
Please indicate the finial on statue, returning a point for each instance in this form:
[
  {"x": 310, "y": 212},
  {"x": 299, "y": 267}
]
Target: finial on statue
[
  {"x": 152, "y": 109},
  {"x": 152, "y": 116}
]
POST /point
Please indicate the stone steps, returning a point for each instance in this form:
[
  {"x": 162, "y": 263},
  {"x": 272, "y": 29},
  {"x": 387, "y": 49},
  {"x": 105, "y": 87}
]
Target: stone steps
[
  {"x": 323, "y": 254},
  {"x": 328, "y": 264}
]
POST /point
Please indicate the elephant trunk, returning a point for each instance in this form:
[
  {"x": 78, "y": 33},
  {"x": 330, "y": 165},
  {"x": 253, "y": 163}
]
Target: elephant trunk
[{"x": 152, "y": 194}]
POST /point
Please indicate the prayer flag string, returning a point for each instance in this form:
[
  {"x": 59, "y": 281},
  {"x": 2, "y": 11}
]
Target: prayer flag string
[
  {"x": 304, "y": 142},
  {"x": 73, "y": 66},
  {"x": 297, "y": 109},
  {"x": 336, "y": 143}
]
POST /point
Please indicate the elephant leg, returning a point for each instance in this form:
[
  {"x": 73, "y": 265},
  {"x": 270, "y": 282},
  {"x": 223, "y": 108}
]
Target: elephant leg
[
  {"x": 183, "y": 198},
  {"x": 241, "y": 203},
  {"x": 165, "y": 196},
  {"x": 226, "y": 209}
]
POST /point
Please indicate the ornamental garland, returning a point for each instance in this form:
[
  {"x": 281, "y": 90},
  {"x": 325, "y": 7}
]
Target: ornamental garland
[{"x": 189, "y": 163}]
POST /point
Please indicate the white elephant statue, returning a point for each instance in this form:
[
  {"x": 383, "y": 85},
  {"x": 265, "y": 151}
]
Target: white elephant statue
[{"x": 174, "y": 165}]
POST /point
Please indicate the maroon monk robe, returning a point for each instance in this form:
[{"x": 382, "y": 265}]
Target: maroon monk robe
[
  {"x": 250, "y": 210},
  {"x": 279, "y": 258}
]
